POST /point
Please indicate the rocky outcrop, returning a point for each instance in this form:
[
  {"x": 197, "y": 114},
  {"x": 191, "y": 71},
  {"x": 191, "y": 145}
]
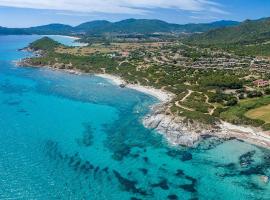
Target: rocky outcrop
[{"x": 177, "y": 130}]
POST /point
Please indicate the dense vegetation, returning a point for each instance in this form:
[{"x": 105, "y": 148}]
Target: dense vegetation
[
  {"x": 250, "y": 31},
  {"x": 251, "y": 37},
  {"x": 45, "y": 44}
]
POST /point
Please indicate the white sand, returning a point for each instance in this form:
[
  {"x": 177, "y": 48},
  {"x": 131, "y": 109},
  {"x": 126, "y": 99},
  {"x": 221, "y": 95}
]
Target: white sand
[
  {"x": 66, "y": 36},
  {"x": 113, "y": 79},
  {"x": 250, "y": 134},
  {"x": 161, "y": 95}
]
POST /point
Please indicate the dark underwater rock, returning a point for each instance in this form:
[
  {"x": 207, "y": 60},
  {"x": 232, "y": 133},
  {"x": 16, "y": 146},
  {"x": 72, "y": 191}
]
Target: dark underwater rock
[
  {"x": 172, "y": 197},
  {"x": 106, "y": 169},
  {"x": 144, "y": 170},
  {"x": 134, "y": 198},
  {"x": 128, "y": 185},
  {"x": 136, "y": 155},
  {"x": 186, "y": 156},
  {"x": 246, "y": 159},
  {"x": 87, "y": 136},
  {"x": 229, "y": 166},
  {"x": 193, "y": 180},
  {"x": 179, "y": 173},
  {"x": 252, "y": 186},
  {"x": 188, "y": 187},
  {"x": 77, "y": 165},
  {"x": 146, "y": 159},
  {"x": 163, "y": 184},
  {"x": 182, "y": 155},
  {"x": 210, "y": 143},
  {"x": 121, "y": 153},
  {"x": 257, "y": 170}
]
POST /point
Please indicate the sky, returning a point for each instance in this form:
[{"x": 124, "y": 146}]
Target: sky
[{"x": 27, "y": 13}]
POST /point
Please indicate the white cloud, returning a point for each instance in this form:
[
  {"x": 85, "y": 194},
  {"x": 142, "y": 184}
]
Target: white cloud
[{"x": 116, "y": 6}]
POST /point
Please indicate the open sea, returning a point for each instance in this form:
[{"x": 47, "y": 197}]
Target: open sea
[{"x": 65, "y": 136}]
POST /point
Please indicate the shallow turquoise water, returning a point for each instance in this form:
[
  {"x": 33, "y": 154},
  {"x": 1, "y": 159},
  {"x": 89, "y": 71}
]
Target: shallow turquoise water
[{"x": 64, "y": 136}]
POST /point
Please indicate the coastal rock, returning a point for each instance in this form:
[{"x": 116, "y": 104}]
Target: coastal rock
[{"x": 177, "y": 130}]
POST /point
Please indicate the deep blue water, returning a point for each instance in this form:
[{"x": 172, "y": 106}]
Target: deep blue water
[{"x": 64, "y": 136}]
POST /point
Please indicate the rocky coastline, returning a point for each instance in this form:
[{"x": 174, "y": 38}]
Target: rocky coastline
[{"x": 181, "y": 131}]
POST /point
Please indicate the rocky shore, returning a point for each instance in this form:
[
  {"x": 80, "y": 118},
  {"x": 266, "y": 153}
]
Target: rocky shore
[
  {"x": 180, "y": 131},
  {"x": 177, "y": 130}
]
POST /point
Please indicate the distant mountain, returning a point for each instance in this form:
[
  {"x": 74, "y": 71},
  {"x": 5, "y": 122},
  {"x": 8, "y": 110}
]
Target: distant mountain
[
  {"x": 192, "y": 28},
  {"x": 90, "y": 26},
  {"x": 144, "y": 26},
  {"x": 249, "y": 31},
  {"x": 12, "y": 31},
  {"x": 129, "y": 26},
  {"x": 141, "y": 26},
  {"x": 50, "y": 29}
]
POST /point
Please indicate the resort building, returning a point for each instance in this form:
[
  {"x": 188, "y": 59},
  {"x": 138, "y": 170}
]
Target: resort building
[{"x": 261, "y": 83}]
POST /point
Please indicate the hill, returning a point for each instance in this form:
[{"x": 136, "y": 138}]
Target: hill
[
  {"x": 88, "y": 26},
  {"x": 12, "y": 31},
  {"x": 44, "y": 43},
  {"x": 204, "y": 27},
  {"x": 129, "y": 26},
  {"x": 247, "y": 32},
  {"x": 50, "y": 29}
]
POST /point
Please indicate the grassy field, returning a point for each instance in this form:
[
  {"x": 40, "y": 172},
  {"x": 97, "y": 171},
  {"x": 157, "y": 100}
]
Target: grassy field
[
  {"x": 250, "y": 112},
  {"x": 262, "y": 113},
  {"x": 108, "y": 48}
]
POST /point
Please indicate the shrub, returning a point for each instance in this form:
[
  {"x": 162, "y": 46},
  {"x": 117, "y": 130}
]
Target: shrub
[{"x": 253, "y": 94}]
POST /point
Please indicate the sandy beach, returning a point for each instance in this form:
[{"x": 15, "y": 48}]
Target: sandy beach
[
  {"x": 161, "y": 95},
  {"x": 65, "y": 36},
  {"x": 249, "y": 134}
]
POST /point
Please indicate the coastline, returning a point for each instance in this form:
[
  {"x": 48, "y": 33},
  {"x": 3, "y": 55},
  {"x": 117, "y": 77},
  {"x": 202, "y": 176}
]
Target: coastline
[
  {"x": 65, "y": 36},
  {"x": 161, "y": 95},
  {"x": 177, "y": 130}
]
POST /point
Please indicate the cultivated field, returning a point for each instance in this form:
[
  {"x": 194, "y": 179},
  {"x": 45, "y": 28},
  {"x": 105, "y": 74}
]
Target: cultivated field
[{"x": 262, "y": 113}]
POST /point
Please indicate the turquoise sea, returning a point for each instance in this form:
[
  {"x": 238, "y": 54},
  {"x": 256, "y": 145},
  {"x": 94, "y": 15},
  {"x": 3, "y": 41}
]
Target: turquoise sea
[{"x": 65, "y": 136}]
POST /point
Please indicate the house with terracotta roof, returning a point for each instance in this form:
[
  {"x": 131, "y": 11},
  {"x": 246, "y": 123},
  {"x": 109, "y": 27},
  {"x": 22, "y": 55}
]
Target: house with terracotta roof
[{"x": 261, "y": 83}]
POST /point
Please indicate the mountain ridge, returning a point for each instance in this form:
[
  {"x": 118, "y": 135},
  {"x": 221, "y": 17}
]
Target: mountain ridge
[
  {"x": 249, "y": 31},
  {"x": 127, "y": 26}
]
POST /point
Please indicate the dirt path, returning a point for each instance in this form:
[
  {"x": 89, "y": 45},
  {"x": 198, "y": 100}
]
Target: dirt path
[
  {"x": 180, "y": 106},
  {"x": 185, "y": 97},
  {"x": 211, "y": 112}
]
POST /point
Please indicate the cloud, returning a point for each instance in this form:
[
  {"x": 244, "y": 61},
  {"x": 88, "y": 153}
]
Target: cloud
[{"x": 116, "y": 6}]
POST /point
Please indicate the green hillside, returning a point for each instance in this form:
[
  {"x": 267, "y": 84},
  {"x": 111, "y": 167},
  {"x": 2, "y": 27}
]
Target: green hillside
[
  {"x": 249, "y": 31},
  {"x": 44, "y": 43}
]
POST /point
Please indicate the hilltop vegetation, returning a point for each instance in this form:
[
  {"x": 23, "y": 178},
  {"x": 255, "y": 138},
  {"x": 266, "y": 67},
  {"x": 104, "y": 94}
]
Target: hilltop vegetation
[
  {"x": 249, "y": 31},
  {"x": 251, "y": 37},
  {"x": 45, "y": 44}
]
